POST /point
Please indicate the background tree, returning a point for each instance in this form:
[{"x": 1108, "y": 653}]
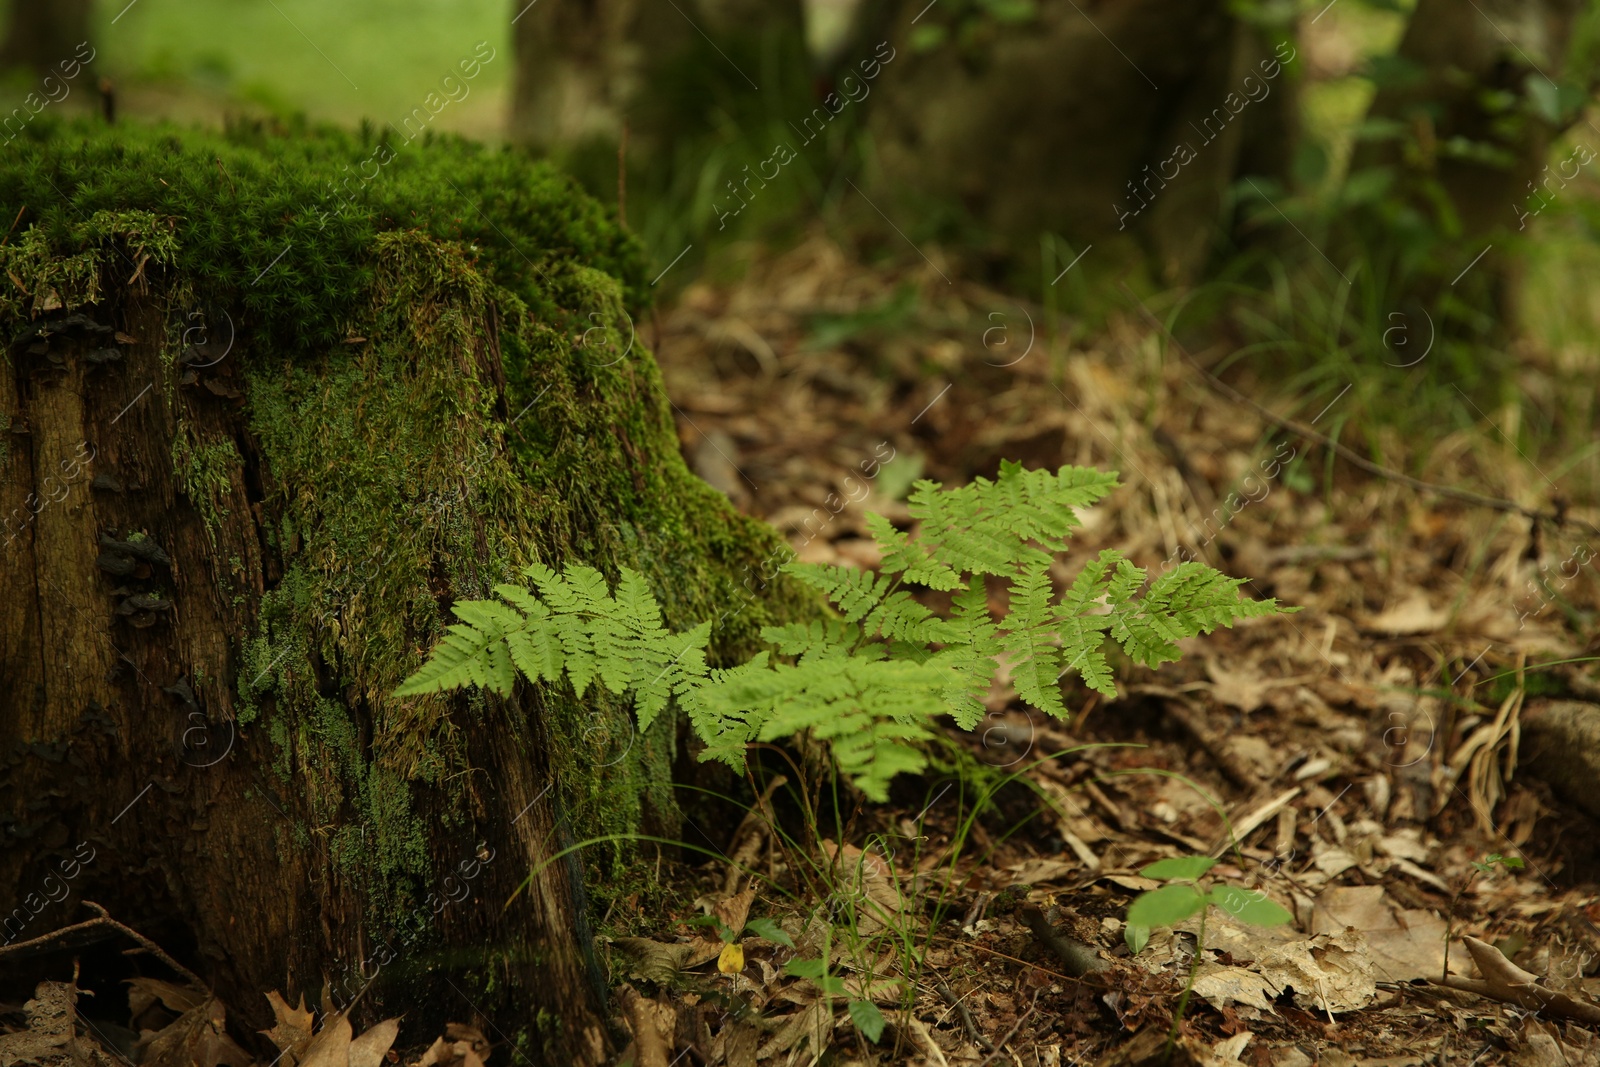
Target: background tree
[
  {"x": 669, "y": 73},
  {"x": 40, "y": 35},
  {"x": 1130, "y": 121}
]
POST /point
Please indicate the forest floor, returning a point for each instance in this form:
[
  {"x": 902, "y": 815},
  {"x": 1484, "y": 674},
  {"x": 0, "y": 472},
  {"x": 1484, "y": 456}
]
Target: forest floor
[
  {"x": 1364, "y": 762},
  {"x": 1357, "y": 762}
]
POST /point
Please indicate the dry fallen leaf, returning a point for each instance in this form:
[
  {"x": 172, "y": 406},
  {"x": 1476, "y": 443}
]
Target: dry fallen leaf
[
  {"x": 368, "y": 1050},
  {"x": 1413, "y": 615},
  {"x": 331, "y": 1046},
  {"x": 144, "y": 993},
  {"x": 733, "y": 911},
  {"x": 1405, "y": 943},
  {"x": 197, "y": 1038},
  {"x": 462, "y": 1046},
  {"x": 1328, "y": 973},
  {"x": 291, "y": 1032}
]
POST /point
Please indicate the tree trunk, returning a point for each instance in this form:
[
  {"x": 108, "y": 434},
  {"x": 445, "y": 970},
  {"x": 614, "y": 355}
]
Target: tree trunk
[
  {"x": 587, "y": 67},
  {"x": 1467, "y": 111},
  {"x": 40, "y": 35},
  {"x": 225, "y": 549},
  {"x": 1092, "y": 122}
]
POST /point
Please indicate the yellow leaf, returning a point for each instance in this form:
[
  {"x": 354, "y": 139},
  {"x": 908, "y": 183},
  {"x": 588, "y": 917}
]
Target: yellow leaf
[{"x": 732, "y": 959}]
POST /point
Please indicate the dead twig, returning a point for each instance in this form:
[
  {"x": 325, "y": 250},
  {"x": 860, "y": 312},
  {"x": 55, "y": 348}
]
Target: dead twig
[
  {"x": 1506, "y": 982},
  {"x": 69, "y": 936},
  {"x": 967, "y": 1023},
  {"x": 1079, "y": 958}
]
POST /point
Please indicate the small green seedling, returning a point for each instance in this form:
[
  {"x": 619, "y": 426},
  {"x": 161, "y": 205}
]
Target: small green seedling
[
  {"x": 1186, "y": 895},
  {"x": 865, "y": 1014},
  {"x": 764, "y": 928},
  {"x": 1495, "y": 859}
]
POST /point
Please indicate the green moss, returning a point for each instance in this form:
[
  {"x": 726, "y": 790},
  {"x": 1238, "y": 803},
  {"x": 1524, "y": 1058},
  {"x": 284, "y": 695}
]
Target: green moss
[
  {"x": 282, "y": 227},
  {"x": 204, "y": 471},
  {"x": 43, "y": 280}
]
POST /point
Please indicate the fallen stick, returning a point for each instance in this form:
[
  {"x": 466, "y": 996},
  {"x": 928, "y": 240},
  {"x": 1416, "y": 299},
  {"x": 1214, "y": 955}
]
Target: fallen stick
[
  {"x": 1078, "y": 957},
  {"x": 1506, "y": 982},
  {"x": 87, "y": 933},
  {"x": 967, "y": 1022}
]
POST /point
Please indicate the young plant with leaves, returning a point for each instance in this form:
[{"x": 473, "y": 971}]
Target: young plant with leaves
[
  {"x": 869, "y": 680},
  {"x": 1188, "y": 892}
]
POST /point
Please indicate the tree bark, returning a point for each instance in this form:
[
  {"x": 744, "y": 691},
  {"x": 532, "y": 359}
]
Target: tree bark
[
  {"x": 222, "y": 554},
  {"x": 41, "y": 34},
  {"x": 587, "y": 67},
  {"x": 1467, "y": 55},
  {"x": 1072, "y": 122}
]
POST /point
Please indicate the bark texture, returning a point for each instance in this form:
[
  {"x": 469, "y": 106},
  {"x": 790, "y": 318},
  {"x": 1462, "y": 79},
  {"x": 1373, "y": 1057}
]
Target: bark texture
[
  {"x": 1076, "y": 121},
  {"x": 223, "y": 551}
]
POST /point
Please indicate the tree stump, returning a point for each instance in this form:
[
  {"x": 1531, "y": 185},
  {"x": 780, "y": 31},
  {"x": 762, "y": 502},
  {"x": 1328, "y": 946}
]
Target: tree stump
[{"x": 270, "y": 404}]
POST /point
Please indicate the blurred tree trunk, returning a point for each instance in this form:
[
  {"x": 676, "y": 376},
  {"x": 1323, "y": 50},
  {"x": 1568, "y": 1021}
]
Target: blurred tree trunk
[
  {"x": 587, "y": 67},
  {"x": 1093, "y": 122},
  {"x": 42, "y": 33},
  {"x": 1479, "y": 97}
]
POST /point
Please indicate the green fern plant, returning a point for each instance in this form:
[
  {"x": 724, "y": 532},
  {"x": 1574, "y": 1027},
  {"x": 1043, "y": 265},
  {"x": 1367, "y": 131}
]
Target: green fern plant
[{"x": 871, "y": 679}]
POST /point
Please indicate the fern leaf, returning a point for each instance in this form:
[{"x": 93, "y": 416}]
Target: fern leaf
[
  {"x": 901, "y": 554},
  {"x": 855, "y": 592},
  {"x": 668, "y": 664},
  {"x": 986, "y": 527},
  {"x": 821, "y": 637},
  {"x": 1030, "y": 640},
  {"x": 536, "y": 651},
  {"x": 899, "y": 618},
  {"x": 1084, "y": 625},
  {"x": 972, "y": 641},
  {"x": 453, "y": 663},
  {"x": 867, "y": 710},
  {"x": 1190, "y": 599}
]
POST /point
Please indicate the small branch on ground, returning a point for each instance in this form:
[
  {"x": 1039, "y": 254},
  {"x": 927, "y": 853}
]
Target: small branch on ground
[
  {"x": 1078, "y": 957},
  {"x": 973, "y": 1033},
  {"x": 79, "y": 934}
]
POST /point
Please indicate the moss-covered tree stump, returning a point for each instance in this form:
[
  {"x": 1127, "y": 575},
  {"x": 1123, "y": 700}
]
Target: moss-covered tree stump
[{"x": 271, "y": 402}]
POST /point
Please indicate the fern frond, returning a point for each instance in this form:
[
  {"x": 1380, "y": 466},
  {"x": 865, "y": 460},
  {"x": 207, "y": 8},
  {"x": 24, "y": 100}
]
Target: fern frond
[
  {"x": 1031, "y": 641},
  {"x": 574, "y": 625},
  {"x": 899, "y": 618},
  {"x": 819, "y": 637},
  {"x": 901, "y": 554},
  {"x": 1190, "y": 599},
  {"x": 986, "y": 527},
  {"x": 1083, "y": 625},
  {"x": 869, "y": 683},
  {"x": 866, "y": 709},
  {"x": 855, "y": 592},
  {"x": 667, "y": 665},
  {"x": 971, "y": 642}
]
